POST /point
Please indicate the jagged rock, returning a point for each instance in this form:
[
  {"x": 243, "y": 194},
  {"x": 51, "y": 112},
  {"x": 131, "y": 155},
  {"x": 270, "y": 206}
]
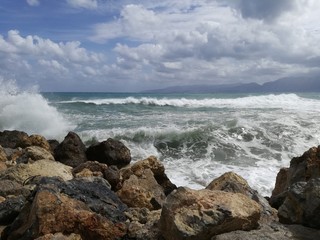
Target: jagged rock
[
  {"x": 143, "y": 224},
  {"x": 201, "y": 214},
  {"x": 232, "y": 182},
  {"x": 12, "y": 139},
  {"x": 3, "y": 155},
  {"x": 21, "y": 172},
  {"x": 302, "y": 204},
  {"x": 142, "y": 190},
  {"x": 10, "y": 209},
  {"x": 112, "y": 175},
  {"x": 71, "y": 151},
  {"x": 60, "y": 236},
  {"x": 274, "y": 231},
  {"x": 90, "y": 169},
  {"x": 3, "y": 166},
  {"x": 110, "y": 152},
  {"x": 8, "y": 187},
  {"x": 301, "y": 169},
  {"x": 52, "y": 211},
  {"x": 157, "y": 169}
]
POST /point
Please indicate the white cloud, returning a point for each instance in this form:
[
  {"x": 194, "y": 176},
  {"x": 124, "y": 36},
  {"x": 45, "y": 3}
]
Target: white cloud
[
  {"x": 88, "y": 4},
  {"x": 33, "y": 2}
]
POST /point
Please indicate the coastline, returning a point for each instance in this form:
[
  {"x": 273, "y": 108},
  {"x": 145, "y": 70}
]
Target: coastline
[{"x": 71, "y": 191}]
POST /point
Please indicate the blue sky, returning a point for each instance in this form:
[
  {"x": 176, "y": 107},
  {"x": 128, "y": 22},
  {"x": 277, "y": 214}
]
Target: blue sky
[{"x": 123, "y": 45}]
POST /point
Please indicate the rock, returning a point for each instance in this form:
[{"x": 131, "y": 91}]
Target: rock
[
  {"x": 157, "y": 169},
  {"x": 12, "y": 139},
  {"x": 71, "y": 151},
  {"x": 3, "y": 156},
  {"x": 201, "y": 214},
  {"x": 37, "y": 140},
  {"x": 274, "y": 231},
  {"x": 90, "y": 169},
  {"x": 54, "y": 212},
  {"x": 22, "y": 172},
  {"x": 10, "y": 209},
  {"x": 301, "y": 169},
  {"x": 60, "y": 236},
  {"x": 143, "y": 224},
  {"x": 110, "y": 152},
  {"x": 8, "y": 187},
  {"x": 34, "y": 153},
  {"x": 53, "y": 144},
  {"x": 3, "y": 166},
  {"x": 112, "y": 175},
  {"x": 232, "y": 182},
  {"x": 302, "y": 204}
]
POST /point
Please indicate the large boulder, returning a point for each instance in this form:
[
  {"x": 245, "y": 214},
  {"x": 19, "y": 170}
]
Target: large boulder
[
  {"x": 90, "y": 168},
  {"x": 301, "y": 169},
  {"x": 10, "y": 209},
  {"x": 54, "y": 212},
  {"x": 12, "y": 188},
  {"x": 34, "y": 153},
  {"x": 232, "y": 182},
  {"x": 201, "y": 214},
  {"x": 71, "y": 151},
  {"x": 110, "y": 152},
  {"x": 22, "y": 172},
  {"x": 302, "y": 204}
]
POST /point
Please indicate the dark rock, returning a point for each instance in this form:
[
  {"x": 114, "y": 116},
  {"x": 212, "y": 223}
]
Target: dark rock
[
  {"x": 301, "y": 169},
  {"x": 53, "y": 144},
  {"x": 112, "y": 175},
  {"x": 71, "y": 151},
  {"x": 10, "y": 209},
  {"x": 96, "y": 168},
  {"x": 12, "y": 139},
  {"x": 302, "y": 204},
  {"x": 110, "y": 152}
]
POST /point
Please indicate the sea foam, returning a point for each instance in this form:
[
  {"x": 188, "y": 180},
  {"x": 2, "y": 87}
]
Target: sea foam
[{"x": 28, "y": 111}]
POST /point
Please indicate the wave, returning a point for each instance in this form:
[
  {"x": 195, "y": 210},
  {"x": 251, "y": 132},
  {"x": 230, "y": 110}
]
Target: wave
[
  {"x": 285, "y": 101},
  {"x": 28, "y": 111}
]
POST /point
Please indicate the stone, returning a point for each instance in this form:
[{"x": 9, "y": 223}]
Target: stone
[
  {"x": 3, "y": 166},
  {"x": 53, "y": 144},
  {"x": 112, "y": 175},
  {"x": 3, "y": 155},
  {"x": 143, "y": 224},
  {"x": 274, "y": 231},
  {"x": 110, "y": 152},
  {"x": 39, "y": 141},
  {"x": 12, "y": 188},
  {"x": 157, "y": 169},
  {"x": 301, "y": 169},
  {"x": 60, "y": 236},
  {"x": 95, "y": 169},
  {"x": 201, "y": 214},
  {"x": 22, "y": 172},
  {"x": 232, "y": 182},
  {"x": 142, "y": 190},
  {"x": 10, "y": 209},
  {"x": 54, "y": 212},
  {"x": 71, "y": 151},
  {"x": 34, "y": 153},
  {"x": 302, "y": 204},
  {"x": 12, "y": 139}
]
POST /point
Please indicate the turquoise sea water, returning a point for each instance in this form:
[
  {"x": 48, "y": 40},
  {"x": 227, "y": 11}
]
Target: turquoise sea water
[{"x": 197, "y": 136}]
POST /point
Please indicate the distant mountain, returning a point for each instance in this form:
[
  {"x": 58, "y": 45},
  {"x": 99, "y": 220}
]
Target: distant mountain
[{"x": 284, "y": 85}]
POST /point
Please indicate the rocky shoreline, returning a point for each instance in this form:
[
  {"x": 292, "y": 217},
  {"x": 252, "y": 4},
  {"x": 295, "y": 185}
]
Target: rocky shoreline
[{"x": 52, "y": 191}]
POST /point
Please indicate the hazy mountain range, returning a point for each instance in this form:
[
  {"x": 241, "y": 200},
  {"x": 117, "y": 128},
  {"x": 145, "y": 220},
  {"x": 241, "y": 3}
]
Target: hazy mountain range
[{"x": 284, "y": 85}]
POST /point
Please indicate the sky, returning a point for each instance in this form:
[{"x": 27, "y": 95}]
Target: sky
[{"x": 125, "y": 46}]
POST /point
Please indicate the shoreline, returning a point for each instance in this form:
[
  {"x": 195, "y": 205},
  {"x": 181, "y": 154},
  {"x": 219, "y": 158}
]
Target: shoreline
[{"x": 100, "y": 187}]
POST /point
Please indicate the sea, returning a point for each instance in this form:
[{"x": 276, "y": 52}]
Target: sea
[{"x": 198, "y": 137}]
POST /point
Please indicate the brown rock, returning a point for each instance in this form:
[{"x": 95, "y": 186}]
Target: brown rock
[
  {"x": 71, "y": 151},
  {"x": 34, "y": 153},
  {"x": 110, "y": 152},
  {"x": 52, "y": 212},
  {"x": 96, "y": 168},
  {"x": 39, "y": 141},
  {"x": 12, "y": 188},
  {"x": 3, "y": 166},
  {"x": 191, "y": 214},
  {"x": 3, "y": 156},
  {"x": 112, "y": 175},
  {"x": 232, "y": 182},
  {"x": 60, "y": 236},
  {"x": 142, "y": 190}
]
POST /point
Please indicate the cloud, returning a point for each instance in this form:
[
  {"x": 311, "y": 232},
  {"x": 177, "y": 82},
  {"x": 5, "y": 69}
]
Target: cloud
[
  {"x": 87, "y": 4},
  {"x": 33, "y": 2}
]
